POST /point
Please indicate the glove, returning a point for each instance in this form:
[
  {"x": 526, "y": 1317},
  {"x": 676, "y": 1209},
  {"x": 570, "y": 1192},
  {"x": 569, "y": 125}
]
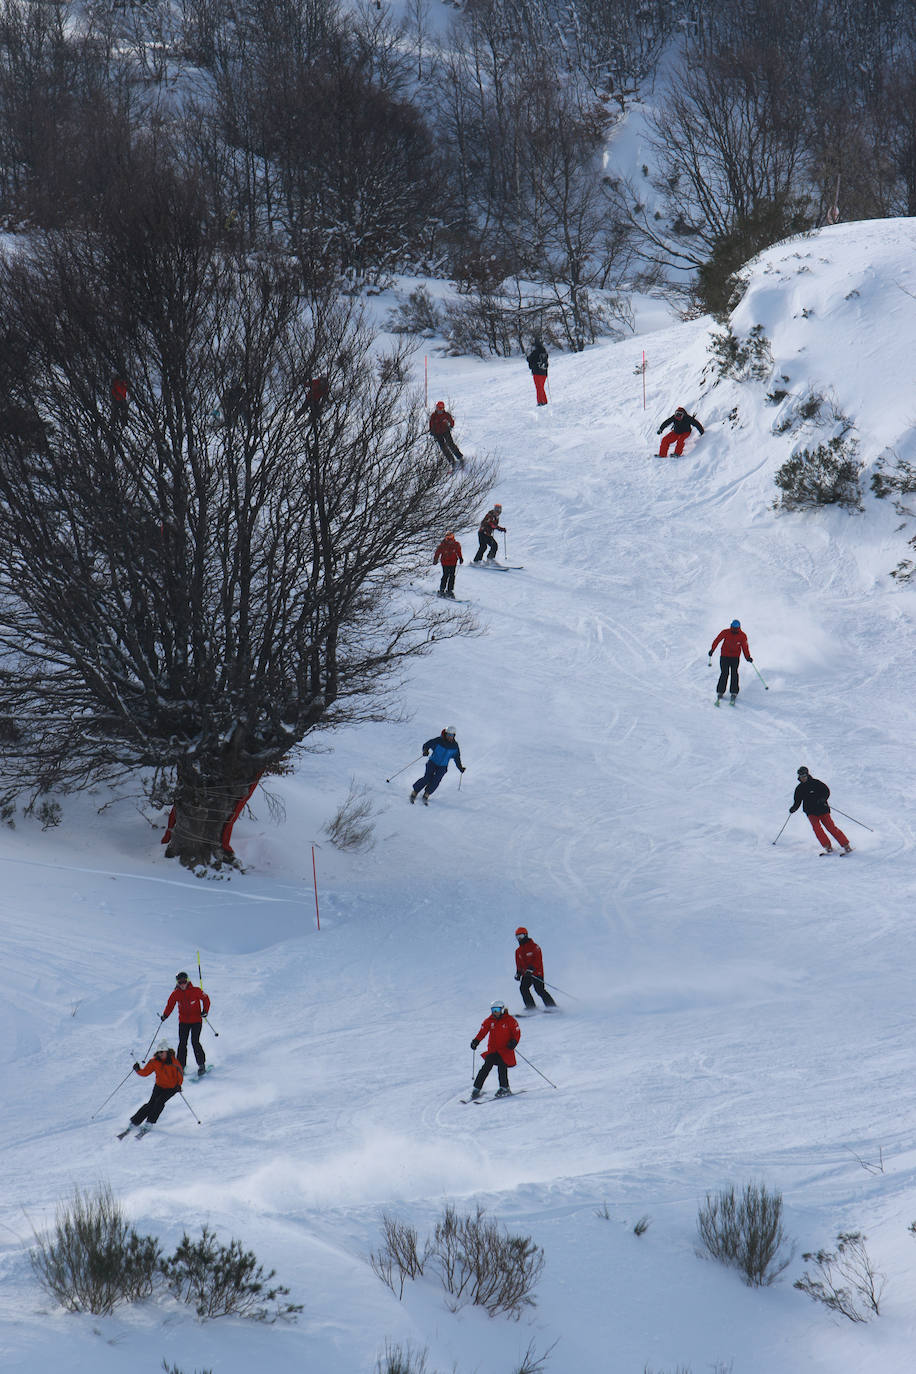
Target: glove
[
  {"x": 518, "y": 977},
  {"x": 511, "y": 1044},
  {"x": 462, "y": 770},
  {"x": 474, "y": 1044},
  {"x": 792, "y": 810},
  {"x": 426, "y": 753},
  {"x": 750, "y": 660},
  {"x": 658, "y": 431},
  {"x": 135, "y": 1065},
  {"x": 161, "y": 1018}
]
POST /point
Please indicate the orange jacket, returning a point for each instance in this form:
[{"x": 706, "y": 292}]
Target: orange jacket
[
  {"x": 449, "y": 552},
  {"x": 500, "y": 1030},
  {"x": 734, "y": 643},
  {"x": 168, "y": 1072},
  {"x": 528, "y": 958}
]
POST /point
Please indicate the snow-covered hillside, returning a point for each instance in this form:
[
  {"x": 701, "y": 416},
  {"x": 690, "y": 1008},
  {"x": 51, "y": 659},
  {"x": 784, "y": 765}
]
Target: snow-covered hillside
[{"x": 734, "y": 1010}]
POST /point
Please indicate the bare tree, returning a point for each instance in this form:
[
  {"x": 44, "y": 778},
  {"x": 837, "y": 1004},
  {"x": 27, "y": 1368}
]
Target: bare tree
[{"x": 196, "y": 578}]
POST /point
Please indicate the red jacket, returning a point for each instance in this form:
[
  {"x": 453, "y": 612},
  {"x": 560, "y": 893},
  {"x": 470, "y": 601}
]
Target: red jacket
[
  {"x": 449, "y": 552},
  {"x": 734, "y": 643},
  {"x": 168, "y": 1072},
  {"x": 193, "y": 1004},
  {"x": 528, "y": 958},
  {"x": 440, "y": 421},
  {"x": 500, "y": 1031},
  {"x": 490, "y": 522}
]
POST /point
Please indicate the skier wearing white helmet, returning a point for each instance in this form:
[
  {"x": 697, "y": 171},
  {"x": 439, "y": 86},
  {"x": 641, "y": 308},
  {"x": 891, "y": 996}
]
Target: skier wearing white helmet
[
  {"x": 504, "y": 1033},
  {"x": 440, "y": 750},
  {"x": 169, "y": 1078}
]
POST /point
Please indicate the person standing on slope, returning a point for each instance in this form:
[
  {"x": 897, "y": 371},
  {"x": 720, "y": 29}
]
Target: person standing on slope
[
  {"x": 488, "y": 524},
  {"x": 734, "y": 644},
  {"x": 680, "y": 423},
  {"x": 812, "y": 794},
  {"x": 529, "y": 970},
  {"x": 504, "y": 1034},
  {"x": 449, "y": 555},
  {"x": 440, "y": 751},
  {"x": 538, "y": 362},
  {"x": 193, "y": 1005},
  {"x": 441, "y": 424},
  {"x": 169, "y": 1078}
]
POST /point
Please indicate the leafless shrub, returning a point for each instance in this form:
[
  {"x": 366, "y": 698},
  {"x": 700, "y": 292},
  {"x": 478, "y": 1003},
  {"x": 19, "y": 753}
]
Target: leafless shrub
[
  {"x": 402, "y": 1360},
  {"x": 174, "y": 1369},
  {"x": 398, "y": 1258},
  {"x": 419, "y": 314},
  {"x": 845, "y": 1280},
  {"x": 350, "y": 828},
  {"x": 745, "y": 1232},
  {"x": 94, "y": 1259},
  {"x": 485, "y": 1266},
  {"x": 642, "y": 1226},
  {"x": 532, "y": 1362}
]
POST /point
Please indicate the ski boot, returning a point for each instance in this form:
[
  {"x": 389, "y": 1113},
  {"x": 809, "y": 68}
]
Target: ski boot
[
  {"x": 733, "y": 698},
  {"x": 503, "y": 1092},
  {"x": 202, "y": 1069},
  {"x": 413, "y": 797},
  {"x": 824, "y": 853},
  {"x": 847, "y": 848},
  {"x": 719, "y": 698},
  {"x": 426, "y": 799},
  {"x": 475, "y": 1093}
]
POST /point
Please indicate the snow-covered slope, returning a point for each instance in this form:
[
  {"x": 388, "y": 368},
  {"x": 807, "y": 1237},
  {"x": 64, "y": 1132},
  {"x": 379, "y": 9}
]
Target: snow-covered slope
[{"x": 733, "y": 1010}]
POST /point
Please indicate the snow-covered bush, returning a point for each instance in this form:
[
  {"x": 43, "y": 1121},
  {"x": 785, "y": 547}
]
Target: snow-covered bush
[
  {"x": 845, "y": 1280},
  {"x": 745, "y": 1232},
  {"x": 824, "y": 476},
  {"x": 419, "y": 314},
  {"x": 94, "y": 1260},
  {"x": 741, "y": 360}
]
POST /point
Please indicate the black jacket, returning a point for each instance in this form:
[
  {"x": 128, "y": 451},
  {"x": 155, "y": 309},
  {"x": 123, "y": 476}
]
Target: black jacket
[
  {"x": 680, "y": 424},
  {"x": 812, "y": 794},
  {"x": 537, "y": 359}
]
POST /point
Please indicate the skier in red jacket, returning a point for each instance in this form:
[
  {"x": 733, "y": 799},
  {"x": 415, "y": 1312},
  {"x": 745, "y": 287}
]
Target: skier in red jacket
[
  {"x": 734, "y": 644},
  {"x": 193, "y": 1005},
  {"x": 449, "y": 555},
  {"x": 441, "y": 425},
  {"x": 504, "y": 1034},
  {"x": 485, "y": 540},
  {"x": 681, "y": 424},
  {"x": 529, "y": 970}
]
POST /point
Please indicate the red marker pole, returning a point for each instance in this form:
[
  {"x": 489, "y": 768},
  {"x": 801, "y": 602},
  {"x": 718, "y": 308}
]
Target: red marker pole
[
  {"x": 644, "y": 379},
  {"x": 315, "y": 881}
]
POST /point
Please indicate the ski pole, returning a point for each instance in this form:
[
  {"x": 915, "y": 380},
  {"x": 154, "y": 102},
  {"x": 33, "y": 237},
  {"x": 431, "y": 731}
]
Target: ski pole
[
  {"x": 215, "y": 1032},
  {"x": 853, "y": 819},
  {"x": 189, "y": 1107},
  {"x": 759, "y": 674},
  {"x": 556, "y": 989},
  {"x": 151, "y": 1043},
  {"x": 783, "y": 826},
  {"x": 405, "y": 768},
  {"x": 536, "y": 1070},
  {"x": 200, "y": 979},
  {"x": 111, "y": 1095}
]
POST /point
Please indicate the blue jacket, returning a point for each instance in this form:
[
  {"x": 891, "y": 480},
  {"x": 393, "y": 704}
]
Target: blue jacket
[{"x": 442, "y": 753}]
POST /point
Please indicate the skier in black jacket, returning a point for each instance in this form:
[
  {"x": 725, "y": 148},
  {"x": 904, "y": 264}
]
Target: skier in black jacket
[
  {"x": 812, "y": 794},
  {"x": 537, "y": 360},
  {"x": 680, "y": 423}
]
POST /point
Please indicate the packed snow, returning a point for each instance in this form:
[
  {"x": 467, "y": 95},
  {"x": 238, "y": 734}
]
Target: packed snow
[{"x": 732, "y": 1010}]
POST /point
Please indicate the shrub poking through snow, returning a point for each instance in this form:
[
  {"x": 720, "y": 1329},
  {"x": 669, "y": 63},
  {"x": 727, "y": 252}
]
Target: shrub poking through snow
[
  {"x": 481, "y": 1264},
  {"x": 224, "y": 1280},
  {"x": 844, "y": 1279},
  {"x": 745, "y": 1232},
  {"x": 352, "y": 827},
  {"x": 402, "y": 1360},
  {"x": 825, "y": 476},
  {"x": 94, "y": 1260},
  {"x": 742, "y": 360},
  {"x": 398, "y": 1258}
]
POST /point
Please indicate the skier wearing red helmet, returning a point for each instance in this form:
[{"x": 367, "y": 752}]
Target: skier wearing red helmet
[
  {"x": 529, "y": 970},
  {"x": 441, "y": 424},
  {"x": 488, "y": 524},
  {"x": 681, "y": 423}
]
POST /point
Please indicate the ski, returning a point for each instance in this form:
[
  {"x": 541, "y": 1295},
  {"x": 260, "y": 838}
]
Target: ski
[
  {"x": 192, "y": 1077},
  {"x": 144, "y": 1130},
  {"x": 493, "y": 567},
  {"x": 122, "y": 1134},
  {"x": 491, "y": 1097}
]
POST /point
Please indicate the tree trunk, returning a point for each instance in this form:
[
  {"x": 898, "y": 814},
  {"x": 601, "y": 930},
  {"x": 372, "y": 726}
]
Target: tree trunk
[{"x": 203, "y": 805}]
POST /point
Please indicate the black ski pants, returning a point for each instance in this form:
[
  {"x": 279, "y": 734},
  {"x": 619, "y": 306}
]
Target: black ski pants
[
  {"x": 192, "y": 1028},
  {"x": 529, "y": 981},
  {"x": 489, "y": 1061},
  {"x": 486, "y": 542},
  {"x": 431, "y": 778},
  {"x": 152, "y": 1110},
  {"x": 729, "y": 666},
  {"x": 449, "y": 448},
  {"x": 447, "y": 581}
]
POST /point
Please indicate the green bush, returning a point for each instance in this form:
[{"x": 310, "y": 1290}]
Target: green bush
[
  {"x": 223, "y": 1280},
  {"x": 825, "y": 476},
  {"x": 93, "y": 1260},
  {"x": 742, "y": 360}
]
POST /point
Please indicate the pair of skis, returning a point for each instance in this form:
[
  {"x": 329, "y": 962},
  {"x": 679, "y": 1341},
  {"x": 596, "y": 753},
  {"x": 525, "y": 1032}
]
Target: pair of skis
[{"x": 492, "y": 1097}]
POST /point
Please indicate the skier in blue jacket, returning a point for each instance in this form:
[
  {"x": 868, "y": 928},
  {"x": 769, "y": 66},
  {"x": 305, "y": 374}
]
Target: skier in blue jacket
[{"x": 440, "y": 751}]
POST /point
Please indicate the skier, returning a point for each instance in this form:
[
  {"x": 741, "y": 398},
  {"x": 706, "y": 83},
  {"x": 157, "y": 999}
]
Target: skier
[
  {"x": 319, "y": 389},
  {"x": 734, "y": 644},
  {"x": 119, "y": 391},
  {"x": 488, "y": 524},
  {"x": 440, "y": 751},
  {"x": 193, "y": 1004},
  {"x": 441, "y": 424},
  {"x": 812, "y": 794},
  {"x": 169, "y": 1078},
  {"x": 537, "y": 360},
  {"x": 680, "y": 423},
  {"x": 529, "y": 970},
  {"x": 504, "y": 1034},
  {"x": 449, "y": 555}
]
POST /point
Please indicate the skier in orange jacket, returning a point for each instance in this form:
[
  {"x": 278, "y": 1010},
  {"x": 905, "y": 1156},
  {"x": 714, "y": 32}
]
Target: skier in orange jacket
[{"x": 169, "y": 1078}]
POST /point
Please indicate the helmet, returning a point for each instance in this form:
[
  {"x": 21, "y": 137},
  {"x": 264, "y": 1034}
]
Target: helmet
[
  {"x": 449, "y": 730},
  {"x": 803, "y": 772},
  {"x": 440, "y": 405},
  {"x": 497, "y": 506},
  {"x": 497, "y": 1008},
  {"x": 521, "y": 931},
  {"x": 163, "y": 1047},
  {"x": 680, "y": 411},
  {"x": 450, "y": 535},
  {"x": 182, "y": 977},
  {"x": 736, "y": 625}
]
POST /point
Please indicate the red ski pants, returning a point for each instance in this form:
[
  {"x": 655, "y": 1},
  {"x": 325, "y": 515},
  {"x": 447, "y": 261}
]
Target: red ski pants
[
  {"x": 821, "y": 823},
  {"x": 678, "y": 440},
  {"x": 540, "y": 382}
]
